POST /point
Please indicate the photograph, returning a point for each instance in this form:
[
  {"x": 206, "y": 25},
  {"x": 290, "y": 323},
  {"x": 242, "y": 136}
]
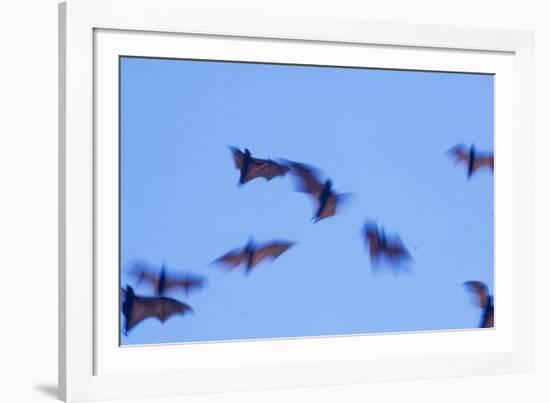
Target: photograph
[{"x": 268, "y": 201}]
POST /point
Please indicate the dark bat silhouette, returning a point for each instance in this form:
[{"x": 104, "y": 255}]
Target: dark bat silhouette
[
  {"x": 161, "y": 282},
  {"x": 484, "y": 301},
  {"x": 252, "y": 255},
  {"x": 327, "y": 201},
  {"x": 137, "y": 308},
  {"x": 471, "y": 158},
  {"x": 252, "y": 168},
  {"x": 380, "y": 246}
]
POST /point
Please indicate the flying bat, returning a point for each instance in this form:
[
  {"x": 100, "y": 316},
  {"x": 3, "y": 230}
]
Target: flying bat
[
  {"x": 484, "y": 301},
  {"x": 136, "y": 308},
  {"x": 252, "y": 168},
  {"x": 381, "y": 246},
  {"x": 472, "y": 159},
  {"x": 252, "y": 255},
  {"x": 326, "y": 199},
  {"x": 162, "y": 282}
]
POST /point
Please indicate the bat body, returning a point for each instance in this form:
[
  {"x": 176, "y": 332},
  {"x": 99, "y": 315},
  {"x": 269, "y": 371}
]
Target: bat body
[
  {"x": 326, "y": 199},
  {"x": 252, "y": 255},
  {"x": 484, "y": 301},
  {"x": 137, "y": 308},
  {"x": 251, "y": 168},
  {"x": 161, "y": 282},
  {"x": 472, "y": 159},
  {"x": 381, "y": 247}
]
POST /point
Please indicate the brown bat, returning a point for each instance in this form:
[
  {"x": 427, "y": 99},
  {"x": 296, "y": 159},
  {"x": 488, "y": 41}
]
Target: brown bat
[
  {"x": 251, "y": 255},
  {"x": 380, "y": 246},
  {"x": 252, "y": 168},
  {"x": 484, "y": 301},
  {"x": 137, "y": 308},
  {"x": 471, "y": 158},
  {"x": 161, "y": 282},
  {"x": 326, "y": 199}
]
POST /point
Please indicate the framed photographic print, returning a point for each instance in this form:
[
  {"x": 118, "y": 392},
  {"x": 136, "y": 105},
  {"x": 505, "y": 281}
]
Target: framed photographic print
[{"x": 253, "y": 201}]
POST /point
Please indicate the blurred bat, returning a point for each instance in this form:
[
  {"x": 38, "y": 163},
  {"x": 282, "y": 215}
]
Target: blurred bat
[
  {"x": 252, "y": 255},
  {"x": 326, "y": 199},
  {"x": 472, "y": 159},
  {"x": 484, "y": 301},
  {"x": 137, "y": 308},
  {"x": 161, "y": 282},
  {"x": 381, "y": 247},
  {"x": 252, "y": 168}
]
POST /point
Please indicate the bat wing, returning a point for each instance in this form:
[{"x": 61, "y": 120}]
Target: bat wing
[
  {"x": 459, "y": 153},
  {"x": 309, "y": 178},
  {"x": 397, "y": 252},
  {"x": 187, "y": 283},
  {"x": 332, "y": 205},
  {"x": 488, "y": 319},
  {"x": 268, "y": 169},
  {"x": 144, "y": 273},
  {"x": 484, "y": 161},
  {"x": 161, "y": 308},
  {"x": 372, "y": 238},
  {"x": 271, "y": 251},
  {"x": 232, "y": 258},
  {"x": 479, "y": 290},
  {"x": 238, "y": 157}
]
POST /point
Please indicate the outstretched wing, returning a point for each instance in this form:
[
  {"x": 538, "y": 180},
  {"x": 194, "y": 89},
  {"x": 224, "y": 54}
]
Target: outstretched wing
[
  {"x": 308, "y": 176},
  {"x": 271, "y": 250},
  {"x": 161, "y": 308},
  {"x": 232, "y": 258},
  {"x": 459, "y": 153},
  {"x": 187, "y": 283},
  {"x": 479, "y": 290},
  {"x": 268, "y": 169},
  {"x": 144, "y": 273},
  {"x": 487, "y": 160}
]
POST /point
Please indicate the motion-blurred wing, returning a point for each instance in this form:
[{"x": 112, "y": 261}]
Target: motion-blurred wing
[
  {"x": 271, "y": 251},
  {"x": 238, "y": 157},
  {"x": 397, "y": 252},
  {"x": 144, "y": 273},
  {"x": 483, "y": 161},
  {"x": 479, "y": 290},
  {"x": 232, "y": 258},
  {"x": 267, "y": 169},
  {"x": 332, "y": 205},
  {"x": 308, "y": 176},
  {"x": 459, "y": 153},
  {"x": 187, "y": 283},
  {"x": 372, "y": 238}
]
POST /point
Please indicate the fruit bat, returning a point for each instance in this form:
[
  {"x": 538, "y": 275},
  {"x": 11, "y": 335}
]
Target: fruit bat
[
  {"x": 252, "y": 168},
  {"x": 380, "y": 246},
  {"x": 484, "y": 301},
  {"x": 471, "y": 158},
  {"x": 326, "y": 199},
  {"x": 252, "y": 255},
  {"x": 161, "y": 282},
  {"x": 136, "y": 308}
]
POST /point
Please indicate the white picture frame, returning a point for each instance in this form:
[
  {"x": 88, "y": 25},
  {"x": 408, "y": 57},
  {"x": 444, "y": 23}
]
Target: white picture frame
[{"x": 91, "y": 366}]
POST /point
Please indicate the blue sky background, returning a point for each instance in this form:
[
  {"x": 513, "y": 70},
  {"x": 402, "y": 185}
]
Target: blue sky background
[{"x": 380, "y": 134}]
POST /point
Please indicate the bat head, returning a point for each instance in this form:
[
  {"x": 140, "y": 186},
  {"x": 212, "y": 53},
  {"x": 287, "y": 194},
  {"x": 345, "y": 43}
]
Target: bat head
[{"x": 247, "y": 153}]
